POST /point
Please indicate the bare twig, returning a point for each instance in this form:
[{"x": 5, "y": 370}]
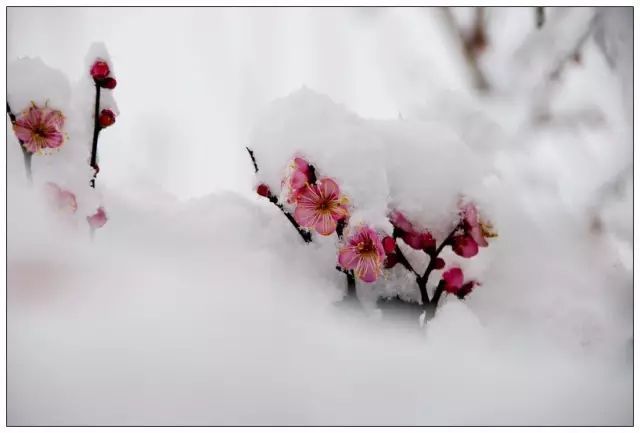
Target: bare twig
[{"x": 25, "y": 153}]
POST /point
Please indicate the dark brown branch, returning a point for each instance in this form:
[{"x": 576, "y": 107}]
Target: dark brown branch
[
  {"x": 305, "y": 235},
  {"x": 25, "y": 153},
  {"x": 539, "y": 16},
  {"x": 96, "y": 131}
]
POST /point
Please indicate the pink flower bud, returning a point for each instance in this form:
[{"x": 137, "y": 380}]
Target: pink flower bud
[
  {"x": 466, "y": 289},
  {"x": 107, "y": 118},
  {"x": 99, "y": 70},
  {"x": 98, "y": 219},
  {"x": 108, "y": 83},
  {"x": 263, "y": 190},
  {"x": 389, "y": 244},
  {"x": 453, "y": 279},
  {"x": 390, "y": 261},
  {"x": 464, "y": 246},
  {"x": 438, "y": 263}
]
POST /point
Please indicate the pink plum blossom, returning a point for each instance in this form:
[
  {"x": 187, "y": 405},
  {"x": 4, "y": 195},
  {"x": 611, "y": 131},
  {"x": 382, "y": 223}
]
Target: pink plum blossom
[
  {"x": 414, "y": 238},
  {"x": 39, "y": 128},
  {"x": 61, "y": 199},
  {"x": 363, "y": 253},
  {"x": 98, "y": 219},
  {"x": 298, "y": 179},
  {"x": 320, "y": 206}
]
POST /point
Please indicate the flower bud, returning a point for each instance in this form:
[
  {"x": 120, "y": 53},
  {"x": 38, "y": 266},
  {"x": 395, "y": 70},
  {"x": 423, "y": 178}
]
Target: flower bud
[
  {"x": 389, "y": 244},
  {"x": 438, "y": 263},
  {"x": 107, "y": 118},
  {"x": 464, "y": 246},
  {"x": 453, "y": 279},
  {"x": 99, "y": 70},
  {"x": 263, "y": 190},
  {"x": 390, "y": 261},
  {"x": 108, "y": 83}
]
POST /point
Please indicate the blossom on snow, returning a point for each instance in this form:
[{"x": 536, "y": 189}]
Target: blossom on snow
[
  {"x": 99, "y": 70},
  {"x": 98, "y": 219},
  {"x": 108, "y": 83},
  {"x": 320, "y": 206},
  {"x": 39, "y": 128},
  {"x": 363, "y": 253},
  {"x": 61, "y": 199}
]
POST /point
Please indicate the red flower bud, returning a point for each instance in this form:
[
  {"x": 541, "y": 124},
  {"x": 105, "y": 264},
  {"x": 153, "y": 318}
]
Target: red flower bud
[
  {"x": 99, "y": 70},
  {"x": 389, "y": 244},
  {"x": 465, "y": 246},
  {"x": 108, "y": 83},
  {"x": 390, "y": 261},
  {"x": 107, "y": 118},
  {"x": 438, "y": 263},
  {"x": 263, "y": 190}
]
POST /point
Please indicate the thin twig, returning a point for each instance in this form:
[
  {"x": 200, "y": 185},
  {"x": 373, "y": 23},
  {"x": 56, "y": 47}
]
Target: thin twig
[
  {"x": 96, "y": 132},
  {"x": 305, "y": 235},
  {"x": 25, "y": 153},
  {"x": 539, "y": 16}
]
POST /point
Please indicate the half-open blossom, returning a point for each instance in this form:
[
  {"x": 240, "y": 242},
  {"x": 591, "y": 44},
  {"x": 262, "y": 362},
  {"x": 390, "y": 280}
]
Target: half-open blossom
[
  {"x": 299, "y": 178},
  {"x": 320, "y": 206},
  {"x": 98, "y": 219},
  {"x": 464, "y": 246},
  {"x": 39, "y": 128},
  {"x": 99, "y": 70},
  {"x": 363, "y": 253},
  {"x": 416, "y": 239},
  {"x": 106, "y": 118},
  {"x": 453, "y": 280},
  {"x": 61, "y": 199}
]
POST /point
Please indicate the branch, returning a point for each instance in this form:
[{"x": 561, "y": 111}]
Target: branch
[
  {"x": 25, "y": 153},
  {"x": 305, "y": 235},
  {"x": 469, "y": 47},
  {"x": 96, "y": 132},
  {"x": 539, "y": 16}
]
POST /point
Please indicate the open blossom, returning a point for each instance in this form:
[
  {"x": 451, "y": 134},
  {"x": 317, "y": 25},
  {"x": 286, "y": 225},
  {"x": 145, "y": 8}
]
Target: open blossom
[
  {"x": 39, "y": 128},
  {"x": 363, "y": 253},
  {"x": 299, "y": 178},
  {"x": 418, "y": 240},
  {"x": 98, "y": 219},
  {"x": 320, "y": 206},
  {"x": 61, "y": 199}
]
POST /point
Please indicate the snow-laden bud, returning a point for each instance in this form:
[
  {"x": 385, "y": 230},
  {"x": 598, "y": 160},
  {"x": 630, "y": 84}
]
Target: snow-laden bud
[
  {"x": 108, "y": 83},
  {"x": 453, "y": 280},
  {"x": 107, "y": 118},
  {"x": 464, "y": 246},
  {"x": 98, "y": 219},
  {"x": 389, "y": 244},
  {"x": 99, "y": 70},
  {"x": 419, "y": 241},
  {"x": 263, "y": 190},
  {"x": 438, "y": 263}
]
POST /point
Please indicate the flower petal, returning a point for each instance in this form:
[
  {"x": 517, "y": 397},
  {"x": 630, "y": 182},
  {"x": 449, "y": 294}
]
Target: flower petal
[
  {"x": 326, "y": 224},
  {"x": 368, "y": 269},
  {"x": 348, "y": 257},
  {"x": 328, "y": 189}
]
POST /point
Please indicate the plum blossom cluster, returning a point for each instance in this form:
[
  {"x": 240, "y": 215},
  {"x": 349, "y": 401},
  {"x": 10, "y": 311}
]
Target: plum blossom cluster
[
  {"x": 40, "y": 128},
  {"x": 363, "y": 253}
]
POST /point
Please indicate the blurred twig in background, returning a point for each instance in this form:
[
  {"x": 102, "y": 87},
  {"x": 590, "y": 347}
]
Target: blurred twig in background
[{"x": 471, "y": 44}]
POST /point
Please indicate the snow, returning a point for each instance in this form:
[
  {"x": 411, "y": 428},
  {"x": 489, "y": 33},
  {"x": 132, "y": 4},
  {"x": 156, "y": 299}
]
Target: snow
[{"x": 198, "y": 304}]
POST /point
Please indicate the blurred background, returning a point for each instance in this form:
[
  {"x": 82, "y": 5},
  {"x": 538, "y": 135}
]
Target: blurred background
[{"x": 191, "y": 80}]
